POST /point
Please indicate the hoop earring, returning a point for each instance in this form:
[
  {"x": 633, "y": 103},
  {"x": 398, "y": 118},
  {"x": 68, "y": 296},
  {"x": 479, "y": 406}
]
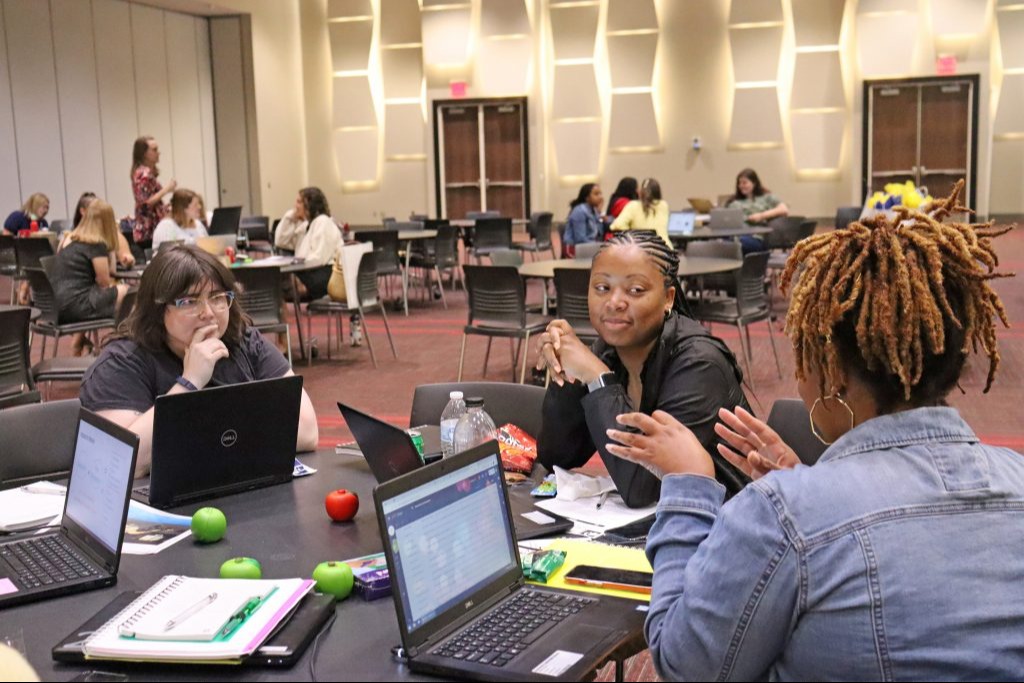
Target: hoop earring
[{"x": 817, "y": 401}]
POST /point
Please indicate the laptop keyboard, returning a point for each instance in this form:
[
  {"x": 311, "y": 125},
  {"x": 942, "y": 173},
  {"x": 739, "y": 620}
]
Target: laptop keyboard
[
  {"x": 45, "y": 561},
  {"x": 511, "y": 627}
]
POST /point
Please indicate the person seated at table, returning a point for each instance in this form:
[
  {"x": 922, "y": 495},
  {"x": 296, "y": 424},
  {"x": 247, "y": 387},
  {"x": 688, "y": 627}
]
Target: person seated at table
[
  {"x": 625, "y": 192},
  {"x": 906, "y": 530},
  {"x": 84, "y": 274},
  {"x": 185, "y": 333},
  {"x": 309, "y": 230},
  {"x": 650, "y": 357},
  {"x": 759, "y": 206},
  {"x": 648, "y": 212},
  {"x": 124, "y": 252},
  {"x": 183, "y": 225},
  {"x": 584, "y": 222},
  {"x": 35, "y": 209}
]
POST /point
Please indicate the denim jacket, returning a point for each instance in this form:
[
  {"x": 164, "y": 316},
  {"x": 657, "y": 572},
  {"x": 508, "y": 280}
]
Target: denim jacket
[
  {"x": 899, "y": 555},
  {"x": 583, "y": 225}
]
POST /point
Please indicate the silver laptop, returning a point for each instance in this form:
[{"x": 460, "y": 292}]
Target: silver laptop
[
  {"x": 680, "y": 223},
  {"x": 727, "y": 219}
]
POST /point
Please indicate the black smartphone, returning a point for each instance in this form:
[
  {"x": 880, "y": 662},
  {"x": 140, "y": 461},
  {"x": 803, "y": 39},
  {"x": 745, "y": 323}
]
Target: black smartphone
[{"x": 609, "y": 577}]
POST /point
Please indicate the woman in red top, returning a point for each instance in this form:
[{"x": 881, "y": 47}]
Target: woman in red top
[
  {"x": 625, "y": 192},
  {"x": 149, "y": 194}
]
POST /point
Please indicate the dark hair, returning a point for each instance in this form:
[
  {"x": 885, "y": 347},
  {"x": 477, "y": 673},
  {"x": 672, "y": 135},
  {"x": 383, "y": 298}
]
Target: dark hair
[
  {"x": 751, "y": 175},
  {"x": 171, "y": 274},
  {"x": 83, "y": 202},
  {"x": 664, "y": 257},
  {"x": 315, "y": 202},
  {"x": 583, "y": 196},
  {"x": 139, "y": 150},
  {"x": 651, "y": 191},
  {"x": 626, "y": 188}
]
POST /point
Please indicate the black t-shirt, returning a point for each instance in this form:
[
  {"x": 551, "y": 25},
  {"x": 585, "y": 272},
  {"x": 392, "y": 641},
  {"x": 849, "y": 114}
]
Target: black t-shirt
[{"x": 128, "y": 377}]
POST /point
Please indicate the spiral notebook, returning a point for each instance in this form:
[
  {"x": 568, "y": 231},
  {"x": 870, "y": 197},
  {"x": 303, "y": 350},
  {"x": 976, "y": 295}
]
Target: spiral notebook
[{"x": 202, "y": 628}]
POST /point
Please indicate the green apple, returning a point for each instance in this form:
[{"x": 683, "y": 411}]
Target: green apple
[
  {"x": 241, "y": 568},
  {"x": 333, "y": 578},
  {"x": 209, "y": 525}
]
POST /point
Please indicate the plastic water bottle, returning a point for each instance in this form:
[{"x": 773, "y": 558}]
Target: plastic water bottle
[
  {"x": 475, "y": 427},
  {"x": 455, "y": 409}
]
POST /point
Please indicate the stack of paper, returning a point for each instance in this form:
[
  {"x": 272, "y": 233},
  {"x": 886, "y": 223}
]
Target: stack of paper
[{"x": 29, "y": 506}]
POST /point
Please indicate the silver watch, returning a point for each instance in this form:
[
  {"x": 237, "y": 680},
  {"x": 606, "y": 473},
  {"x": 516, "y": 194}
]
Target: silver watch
[{"x": 602, "y": 380}]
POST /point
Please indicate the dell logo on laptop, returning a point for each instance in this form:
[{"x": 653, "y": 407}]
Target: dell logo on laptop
[
  {"x": 469, "y": 604},
  {"x": 229, "y": 438}
]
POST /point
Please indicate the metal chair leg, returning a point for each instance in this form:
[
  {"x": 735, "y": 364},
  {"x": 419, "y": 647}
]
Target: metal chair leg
[
  {"x": 440, "y": 286},
  {"x": 56, "y": 344},
  {"x": 366, "y": 333},
  {"x": 746, "y": 356},
  {"x": 330, "y": 322},
  {"x": 288, "y": 335},
  {"x": 771, "y": 338},
  {"x": 515, "y": 358},
  {"x": 309, "y": 337},
  {"x": 487, "y": 355},
  {"x": 526, "y": 356},
  {"x": 387, "y": 328},
  {"x": 462, "y": 357}
]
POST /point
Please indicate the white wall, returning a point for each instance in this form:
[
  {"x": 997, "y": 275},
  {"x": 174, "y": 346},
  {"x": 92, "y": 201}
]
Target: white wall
[{"x": 80, "y": 80}]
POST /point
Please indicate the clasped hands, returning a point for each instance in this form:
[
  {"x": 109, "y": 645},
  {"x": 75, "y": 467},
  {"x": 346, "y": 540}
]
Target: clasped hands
[{"x": 566, "y": 357}]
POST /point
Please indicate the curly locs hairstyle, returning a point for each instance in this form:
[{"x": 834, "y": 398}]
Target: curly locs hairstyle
[
  {"x": 899, "y": 302},
  {"x": 171, "y": 275}
]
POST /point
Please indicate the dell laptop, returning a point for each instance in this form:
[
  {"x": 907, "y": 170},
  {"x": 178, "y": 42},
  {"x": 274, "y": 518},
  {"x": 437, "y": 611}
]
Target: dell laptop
[
  {"x": 727, "y": 219},
  {"x": 85, "y": 551},
  {"x": 225, "y": 221},
  {"x": 222, "y": 440},
  {"x": 390, "y": 453},
  {"x": 464, "y": 609},
  {"x": 681, "y": 223}
]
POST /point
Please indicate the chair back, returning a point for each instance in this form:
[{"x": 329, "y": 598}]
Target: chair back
[
  {"x": 37, "y": 441},
  {"x": 497, "y": 295},
  {"x": 43, "y": 296},
  {"x": 148, "y": 254},
  {"x": 785, "y": 232},
  {"x": 28, "y": 251},
  {"x": 366, "y": 280},
  {"x": 127, "y": 306},
  {"x": 49, "y": 266},
  {"x": 540, "y": 229},
  {"x": 750, "y": 295},
  {"x": 807, "y": 229},
  {"x": 520, "y": 404},
  {"x": 7, "y": 255},
  {"x": 385, "y": 248},
  {"x": 14, "y": 351},
  {"x": 846, "y": 215},
  {"x": 255, "y": 228},
  {"x": 724, "y": 282},
  {"x": 60, "y": 225},
  {"x": 790, "y": 419},
  {"x": 587, "y": 251},
  {"x": 492, "y": 233},
  {"x": 572, "y": 287},
  {"x": 261, "y": 296},
  {"x": 507, "y": 257},
  {"x": 723, "y": 200},
  {"x": 446, "y": 246}
]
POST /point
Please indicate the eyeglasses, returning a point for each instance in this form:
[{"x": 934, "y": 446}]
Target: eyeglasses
[{"x": 193, "y": 305}]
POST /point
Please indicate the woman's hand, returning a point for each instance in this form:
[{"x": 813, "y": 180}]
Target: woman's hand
[
  {"x": 664, "y": 446},
  {"x": 171, "y": 186},
  {"x": 568, "y": 358},
  {"x": 756, "y": 448},
  {"x": 202, "y": 355},
  {"x": 126, "y": 259}
]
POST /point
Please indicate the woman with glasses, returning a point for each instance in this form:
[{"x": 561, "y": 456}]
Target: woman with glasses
[{"x": 185, "y": 333}]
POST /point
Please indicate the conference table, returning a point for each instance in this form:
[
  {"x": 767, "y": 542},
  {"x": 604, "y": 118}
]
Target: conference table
[
  {"x": 286, "y": 528},
  {"x": 706, "y": 233}
]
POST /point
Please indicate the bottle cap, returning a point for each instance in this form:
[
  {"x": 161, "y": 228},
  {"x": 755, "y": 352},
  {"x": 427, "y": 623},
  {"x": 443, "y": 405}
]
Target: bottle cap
[
  {"x": 474, "y": 402},
  {"x": 455, "y": 396}
]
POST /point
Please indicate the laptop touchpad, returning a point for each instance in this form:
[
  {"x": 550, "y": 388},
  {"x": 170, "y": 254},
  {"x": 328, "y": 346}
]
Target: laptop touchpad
[{"x": 571, "y": 643}]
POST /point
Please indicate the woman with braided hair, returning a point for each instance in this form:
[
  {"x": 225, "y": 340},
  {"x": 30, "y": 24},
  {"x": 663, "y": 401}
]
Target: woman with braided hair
[
  {"x": 650, "y": 357},
  {"x": 897, "y": 555}
]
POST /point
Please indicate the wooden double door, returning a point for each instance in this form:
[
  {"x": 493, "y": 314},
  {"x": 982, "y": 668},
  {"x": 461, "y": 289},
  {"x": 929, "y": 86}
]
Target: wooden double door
[
  {"x": 925, "y": 130},
  {"x": 481, "y": 157}
]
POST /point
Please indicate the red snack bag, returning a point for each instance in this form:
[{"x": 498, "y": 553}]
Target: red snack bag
[{"x": 518, "y": 449}]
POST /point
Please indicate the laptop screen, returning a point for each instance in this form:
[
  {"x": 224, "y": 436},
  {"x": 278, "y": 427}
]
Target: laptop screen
[
  {"x": 681, "y": 223},
  {"x": 449, "y": 539},
  {"x": 99, "y": 478}
]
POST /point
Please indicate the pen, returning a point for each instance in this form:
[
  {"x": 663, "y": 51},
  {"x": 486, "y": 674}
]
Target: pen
[
  {"x": 603, "y": 500},
  {"x": 239, "y": 617},
  {"x": 190, "y": 612},
  {"x": 45, "y": 490}
]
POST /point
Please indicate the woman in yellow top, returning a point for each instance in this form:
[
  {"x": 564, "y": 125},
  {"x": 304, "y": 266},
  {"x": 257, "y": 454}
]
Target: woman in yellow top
[{"x": 649, "y": 212}]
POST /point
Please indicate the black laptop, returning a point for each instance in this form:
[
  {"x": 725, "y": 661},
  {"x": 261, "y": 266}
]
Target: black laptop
[
  {"x": 390, "y": 453},
  {"x": 464, "y": 609},
  {"x": 85, "y": 551},
  {"x": 225, "y": 220},
  {"x": 222, "y": 440}
]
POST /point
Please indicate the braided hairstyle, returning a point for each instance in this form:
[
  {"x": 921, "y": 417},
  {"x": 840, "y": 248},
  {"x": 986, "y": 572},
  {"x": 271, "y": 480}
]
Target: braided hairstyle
[
  {"x": 664, "y": 257},
  {"x": 898, "y": 302}
]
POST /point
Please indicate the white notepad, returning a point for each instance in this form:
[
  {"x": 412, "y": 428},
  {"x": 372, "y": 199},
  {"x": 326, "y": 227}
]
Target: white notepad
[{"x": 138, "y": 632}]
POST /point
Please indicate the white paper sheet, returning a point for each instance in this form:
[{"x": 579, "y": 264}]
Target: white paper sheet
[{"x": 612, "y": 514}]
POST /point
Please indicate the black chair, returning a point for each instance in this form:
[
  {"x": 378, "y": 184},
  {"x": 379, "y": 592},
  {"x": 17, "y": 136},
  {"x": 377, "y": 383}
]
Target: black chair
[
  {"x": 49, "y": 266},
  {"x": 28, "y": 251},
  {"x": 127, "y": 306},
  {"x": 497, "y": 308},
  {"x": 846, "y": 215},
  {"x": 506, "y": 257},
  {"x": 442, "y": 254},
  {"x": 37, "y": 442},
  {"x": 385, "y": 248},
  {"x": 8, "y": 261},
  {"x": 60, "y": 225},
  {"x": 255, "y": 230},
  {"x": 790, "y": 419},
  {"x": 777, "y": 261},
  {"x": 490, "y": 234},
  {"x": 716, "y": 282},
  {"x": 16, "y": 384},
  {"x": 587, "y": 251},
  {"x": 785, "y": 232},
  {"x": 520, "y": 404},
  {"x": 572, "y": 287},
  {"x": 48, "y": 324},
  {"x": 539, "y": 230},
  {"x": 750, "y": 305},
  {"x": 367, "y": 297},
  {"x": 262, "y": 298},
  {"x": 477, "y": 215}
]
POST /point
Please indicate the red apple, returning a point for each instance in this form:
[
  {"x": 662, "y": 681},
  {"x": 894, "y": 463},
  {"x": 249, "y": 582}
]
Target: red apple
[{"x": 341, "y": 505}]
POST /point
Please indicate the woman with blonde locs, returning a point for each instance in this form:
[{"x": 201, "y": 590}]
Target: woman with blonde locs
[{"x": 906, "y": 530}]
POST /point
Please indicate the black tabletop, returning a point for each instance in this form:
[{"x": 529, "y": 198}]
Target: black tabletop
[{"x": 706, "y": 233}]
